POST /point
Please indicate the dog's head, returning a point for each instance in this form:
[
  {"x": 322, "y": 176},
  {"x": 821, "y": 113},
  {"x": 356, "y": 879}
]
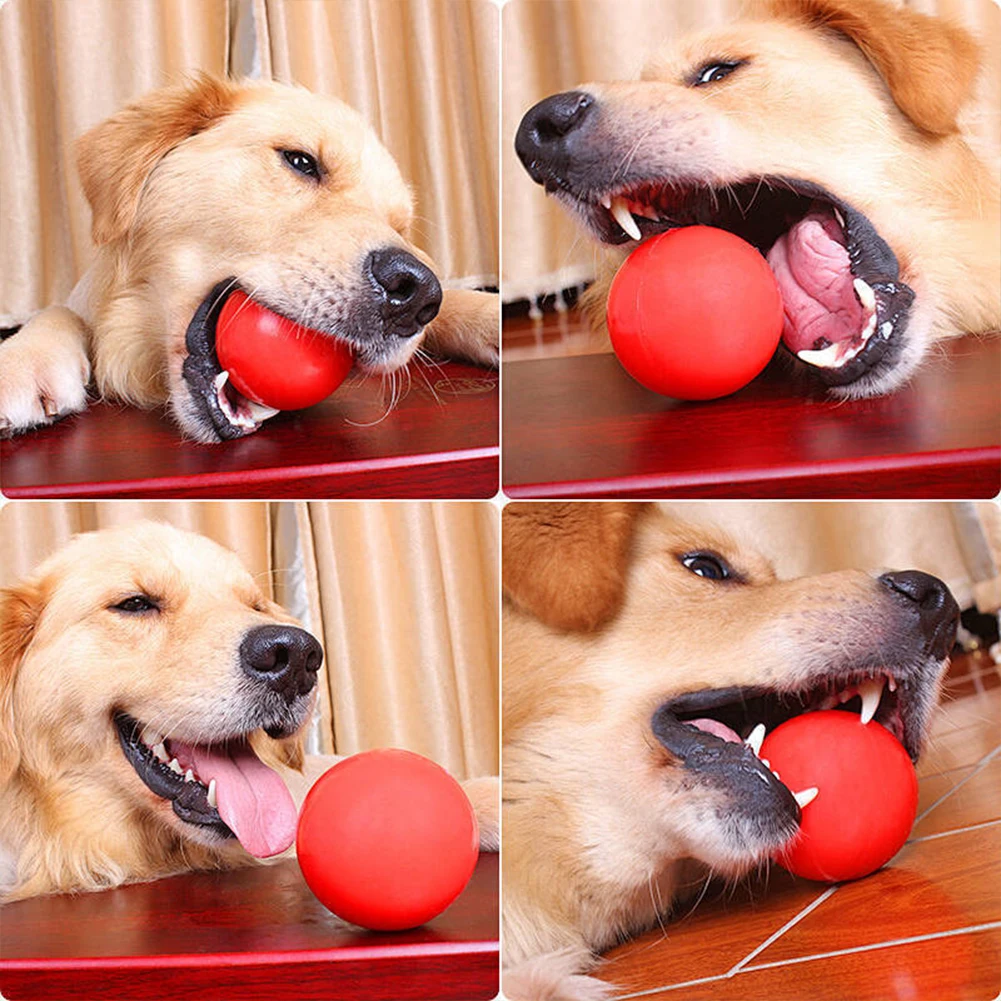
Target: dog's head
[
  {"x": 640, "y": 653},
  {"x": 819, "y": 134},
  {"x": 144, "y": 675},
  {"x": 201, "y": 189}
]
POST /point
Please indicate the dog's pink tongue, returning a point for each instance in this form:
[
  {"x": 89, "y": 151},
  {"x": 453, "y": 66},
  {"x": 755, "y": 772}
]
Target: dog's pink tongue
[
  {"x": 253, "y": 800},
  {"x": 716, "y": 728},
  {"x": 814, "y": 275}
]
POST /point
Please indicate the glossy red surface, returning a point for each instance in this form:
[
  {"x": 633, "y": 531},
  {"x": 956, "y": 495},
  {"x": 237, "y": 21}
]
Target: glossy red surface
[
  {"x": 255, "y": 933},
  {"x": 439, "y": 441}
]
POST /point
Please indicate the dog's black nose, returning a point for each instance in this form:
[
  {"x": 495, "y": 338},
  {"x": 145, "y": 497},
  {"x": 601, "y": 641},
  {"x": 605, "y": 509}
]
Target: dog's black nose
[
  {"x": 409, "y": 293},
  {"x": 549, "y": 132},
  {"x": 286, "y": 659},
  {"x": 938, "y": 613}
]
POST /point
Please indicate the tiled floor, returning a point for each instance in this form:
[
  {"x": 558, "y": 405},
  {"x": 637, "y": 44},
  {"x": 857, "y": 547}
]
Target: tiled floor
[{"x": 925, "y": 928}]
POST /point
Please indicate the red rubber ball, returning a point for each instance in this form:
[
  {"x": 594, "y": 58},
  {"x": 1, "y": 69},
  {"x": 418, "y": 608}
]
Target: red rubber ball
[
  {"x": 387, "y": 839},
  {"x": 274, "y": 361},
  {"x": 867, "y": 793},
  {"x": 694, "y": 313}
]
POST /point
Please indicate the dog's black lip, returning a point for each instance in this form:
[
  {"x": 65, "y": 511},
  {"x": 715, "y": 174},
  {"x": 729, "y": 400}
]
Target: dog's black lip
[
  {"x": 188, "y": 799},
  {"x": 201, "y": 366},
  {"x": 702, "y": 702},
  {"x": 870, "y": 258},
  {"x": 735, "y": 764}
]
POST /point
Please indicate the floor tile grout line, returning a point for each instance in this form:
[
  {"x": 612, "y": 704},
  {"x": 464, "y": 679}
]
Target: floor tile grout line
[
  {"x": 950, "y": 933},
  {"x": 664, "y": 988},
  {"x": 955, "y": 830},
  {"x": 795, "y": 919},
  {"x": 980, "y": 765}
]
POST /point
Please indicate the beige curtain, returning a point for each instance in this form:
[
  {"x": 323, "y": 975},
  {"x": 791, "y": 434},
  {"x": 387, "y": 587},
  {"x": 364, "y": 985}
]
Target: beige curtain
[
  {"x": 424, "y": 72},
  {"x": 403, "y": 596},
  {"x": 959, "y": 542},
  {"x": 65, "y": 65},
  {"x": 554, "y": 45}
]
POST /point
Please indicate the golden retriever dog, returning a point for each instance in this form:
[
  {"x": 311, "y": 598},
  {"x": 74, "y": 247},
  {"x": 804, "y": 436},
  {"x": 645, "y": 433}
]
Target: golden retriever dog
[
  {"x": 151, "y": 706},
  {"x": 827, "y": 133},
  {"x": 199, "y": 189},
  {"x": 640, "y": 653}
]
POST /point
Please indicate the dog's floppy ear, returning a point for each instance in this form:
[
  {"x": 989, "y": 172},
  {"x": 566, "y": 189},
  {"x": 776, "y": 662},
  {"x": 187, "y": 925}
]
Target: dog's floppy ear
[
  {"x": 566, "y": 563},
  {"x": 928, "y": 63},
  {"x": 20, "y": 608},
  {"x": 116, "y": 157}
]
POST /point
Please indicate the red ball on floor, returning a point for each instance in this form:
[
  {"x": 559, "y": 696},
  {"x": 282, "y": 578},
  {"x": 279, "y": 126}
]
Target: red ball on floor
[
  {"x": 276, "y": 362},
  {"x": 867, "y": 793},
  {"x": 387, "y": 839},
  {"x": 694, "y": 313}
]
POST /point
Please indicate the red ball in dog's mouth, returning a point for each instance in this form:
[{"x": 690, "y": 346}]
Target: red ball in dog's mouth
[{"x": 274, "y": 362}]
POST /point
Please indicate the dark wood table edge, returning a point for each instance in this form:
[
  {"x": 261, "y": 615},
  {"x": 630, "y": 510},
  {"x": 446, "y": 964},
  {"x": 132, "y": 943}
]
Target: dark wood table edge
[
  {"x": 978, "y": 461},
  {"x": 257, "y": 479}
]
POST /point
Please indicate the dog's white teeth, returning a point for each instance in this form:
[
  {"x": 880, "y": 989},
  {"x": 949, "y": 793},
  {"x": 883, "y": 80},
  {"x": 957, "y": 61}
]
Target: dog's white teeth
[
  {"x": 885, "y": 330},
  {"x": 213, "y": 802},
  {"x": 848, "y": 693},
  {"x": 838, "y": 216},
  {"x": 606, "y": 200},
  {"x": 766, "y": 763},
  {"x": 220, "y": 380},
  {"x": 755, "y": 737},
  {"x": 824, "y": 358},
  {"x": 776, "y": 774},
  {"x": 622, "y": 215},
  {"x": 189, "y": 776},
  {"x": 160, "y": 752},
  {"x": 871, "y": 692},
  {"x": 865, "y": 294},
  {"x": 805, "y": 797},
  {"x": 891, "y": 683},
  {"x": 260, "y": 412},
  {"x": 175, "y": 767}
]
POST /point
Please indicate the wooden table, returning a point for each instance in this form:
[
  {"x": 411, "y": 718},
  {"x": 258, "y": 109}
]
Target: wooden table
[
  {"x": 580, "y": 426},
  {"x": 252, "y": 934},
  {"x": 439, "y": 441}
]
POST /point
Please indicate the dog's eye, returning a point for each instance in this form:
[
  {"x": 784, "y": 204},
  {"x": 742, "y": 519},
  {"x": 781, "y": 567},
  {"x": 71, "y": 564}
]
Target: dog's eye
[
  {"x": 707, "y": 565},
  {"x": 136, "y": 604},
  {"x": 712, "y": 73},
  {"x": 301, "y": 163}
]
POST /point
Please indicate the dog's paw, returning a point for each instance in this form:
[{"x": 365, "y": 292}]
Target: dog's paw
[
  {"x": 467, "y": 327},
  {"x": 44, "y": 371},
  {"x": 484, "y": 794},
  {"x": 555, "y": 976}
]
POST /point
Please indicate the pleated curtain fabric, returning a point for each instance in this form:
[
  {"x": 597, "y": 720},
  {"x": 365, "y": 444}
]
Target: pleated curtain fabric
[
  {"x": 555, "y": 45},
  {"x": 424, "y": 72}
]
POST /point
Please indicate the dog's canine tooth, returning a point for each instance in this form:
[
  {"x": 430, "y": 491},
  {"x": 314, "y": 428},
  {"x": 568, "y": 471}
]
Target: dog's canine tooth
[
  {"x": 755, "y": 737},
  {"x": 213, "y": 802},
  {"x": 865, "y": 294},
  {"x": 838, "y": 216},
  {"x": 805, "y": 796},
  {"x": 175, "y": 767},
  {"x": 160, "y": 752},
  {"x": 871, "y": 692},
  {"x": 606, "y": 201},
  {"x": 891, "y": 682},
  {"x": 622, "y": 215}
]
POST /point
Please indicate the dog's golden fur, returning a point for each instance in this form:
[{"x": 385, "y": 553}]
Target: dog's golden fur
[
  {"x": 602, "y": 827},
  {"x": 861, "y": 97},
  {"x": 186, "y": 189},
  {"x": 74, "y": 815}
]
